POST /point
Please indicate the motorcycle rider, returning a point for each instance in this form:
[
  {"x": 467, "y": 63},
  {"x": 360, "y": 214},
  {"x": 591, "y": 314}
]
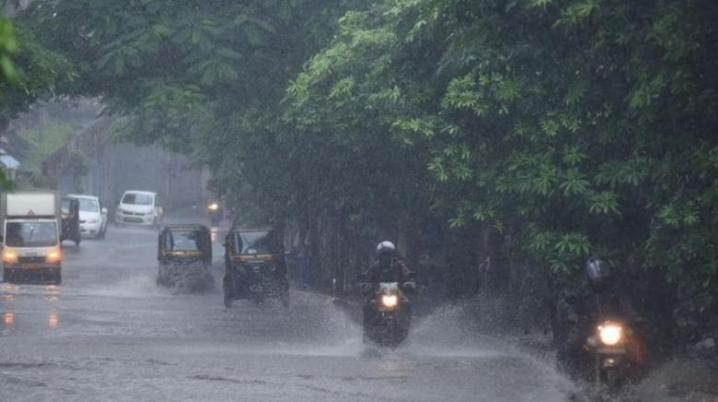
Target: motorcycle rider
[
  {"x": 216, "y": 210},
  {"x": 387, "y": 268},
  {"x": 603, "y": 299}
]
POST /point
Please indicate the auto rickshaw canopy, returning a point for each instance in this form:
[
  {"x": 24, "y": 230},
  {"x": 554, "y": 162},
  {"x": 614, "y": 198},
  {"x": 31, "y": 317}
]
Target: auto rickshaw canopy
[{"x": 189, "y": 241}]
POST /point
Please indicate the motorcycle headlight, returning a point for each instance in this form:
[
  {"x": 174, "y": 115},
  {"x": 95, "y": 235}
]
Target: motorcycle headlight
[
  {"x": 610, "y": 334},
  {"x": 389, "y": 301}
]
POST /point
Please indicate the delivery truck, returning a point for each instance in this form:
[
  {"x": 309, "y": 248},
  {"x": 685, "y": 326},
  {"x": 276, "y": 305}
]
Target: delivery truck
[{"x": 31, "y": 228}]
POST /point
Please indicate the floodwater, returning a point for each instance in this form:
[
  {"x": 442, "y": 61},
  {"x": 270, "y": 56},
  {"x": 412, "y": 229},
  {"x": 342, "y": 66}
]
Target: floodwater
[{"x": 108, "y": 333}]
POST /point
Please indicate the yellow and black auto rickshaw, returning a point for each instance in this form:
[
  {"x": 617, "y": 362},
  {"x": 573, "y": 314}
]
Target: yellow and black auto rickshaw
[
  {"x": 184, "y": 253},
  {"x": 254, "y": 265}
]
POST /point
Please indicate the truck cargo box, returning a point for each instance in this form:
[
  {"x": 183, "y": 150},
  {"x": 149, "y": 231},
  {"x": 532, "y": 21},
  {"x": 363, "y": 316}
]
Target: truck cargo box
[{"x": 30, "y": 205}]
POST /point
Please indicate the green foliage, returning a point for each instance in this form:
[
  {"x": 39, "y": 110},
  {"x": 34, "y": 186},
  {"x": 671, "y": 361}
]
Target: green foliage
[
  {"x": 580, "y": 125},
  {"x": 8, "y": 49},
  {"x": 42, "y": 141},
  {"x": 29, "y": 70},
  {"x": 202, "y": 78}
]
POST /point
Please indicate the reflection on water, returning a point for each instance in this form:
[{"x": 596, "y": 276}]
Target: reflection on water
[
  {"x": 214, "y": 233},
  {"x": 9, "y": 287},
  {"x": 9, "y": 320},
  {"x": 53, "y": 293},
  {"x": 395, "y": 367},
  {"x": 53, "y": 320},
  {"x": 9, "y": 292},
  {"x": 46, "y": 319}
]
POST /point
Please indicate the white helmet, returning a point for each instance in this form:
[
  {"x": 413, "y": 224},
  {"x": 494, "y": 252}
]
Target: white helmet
[{"x": 385, "y": 247}]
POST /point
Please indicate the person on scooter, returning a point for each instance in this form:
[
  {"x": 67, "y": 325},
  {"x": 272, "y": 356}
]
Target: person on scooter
[
  {"x": 603, "y": 299},
  {"x": 387, "y": 268}
]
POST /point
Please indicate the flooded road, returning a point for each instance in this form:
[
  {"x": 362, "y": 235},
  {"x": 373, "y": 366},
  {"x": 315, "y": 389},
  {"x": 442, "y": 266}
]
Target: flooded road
[{"x": 109, "y": 334}]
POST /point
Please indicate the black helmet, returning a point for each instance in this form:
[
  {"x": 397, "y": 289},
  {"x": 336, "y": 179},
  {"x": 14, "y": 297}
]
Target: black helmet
[
  {"x": 597, "y": 270},
  {"x": 385, "y": 248}
]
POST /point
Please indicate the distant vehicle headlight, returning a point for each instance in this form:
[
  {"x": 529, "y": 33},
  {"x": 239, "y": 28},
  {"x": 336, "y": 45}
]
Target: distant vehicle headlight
[
  {"x": 389, "y": 301},
  {"x": 213, "y": 206},
  {"x": 610, "y": 334}
]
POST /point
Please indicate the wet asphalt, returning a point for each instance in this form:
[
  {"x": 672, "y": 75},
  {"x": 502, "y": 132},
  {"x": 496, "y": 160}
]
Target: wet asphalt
[{"x": 108, "y": 333}]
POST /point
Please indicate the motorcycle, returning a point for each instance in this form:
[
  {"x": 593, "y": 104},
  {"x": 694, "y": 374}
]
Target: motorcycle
[
  {"x": 608, "y": 346},
  {"x": 387, "y": 315},
  {"x": 216, "y": 213}
]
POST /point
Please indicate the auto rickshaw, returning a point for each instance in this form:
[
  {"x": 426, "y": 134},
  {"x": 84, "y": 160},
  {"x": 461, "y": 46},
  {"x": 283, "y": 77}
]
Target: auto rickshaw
[
  {"x": 254, "y": 266},
  {"x": 71, "y": 220},
  {"x": 184, "y": 253}
]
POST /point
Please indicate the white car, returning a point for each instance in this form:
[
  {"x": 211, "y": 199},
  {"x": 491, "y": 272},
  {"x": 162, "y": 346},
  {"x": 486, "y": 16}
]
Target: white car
[
  {"x": 139, "y": 208},
  {"x": 93, "y": 218}
]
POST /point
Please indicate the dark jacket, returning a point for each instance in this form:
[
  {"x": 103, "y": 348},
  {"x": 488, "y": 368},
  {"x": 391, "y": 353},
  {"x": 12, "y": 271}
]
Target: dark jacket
[
  {"x": 396, "y": 271},
  {"x": 597, "y": 304}
]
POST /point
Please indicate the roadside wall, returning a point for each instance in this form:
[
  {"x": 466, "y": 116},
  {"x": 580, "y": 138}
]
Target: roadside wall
[
  {"x": 93, "y": 164},
  {"x": 468, "y": 267}
]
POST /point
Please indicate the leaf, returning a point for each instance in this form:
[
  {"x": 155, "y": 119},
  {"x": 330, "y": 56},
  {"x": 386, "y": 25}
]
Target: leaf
[
  {"x": 573, "y": 156},
  {"x": 574, "y": 183},
  {"x": 605, "y": 202},
  {"x": 8, "y": 68}
]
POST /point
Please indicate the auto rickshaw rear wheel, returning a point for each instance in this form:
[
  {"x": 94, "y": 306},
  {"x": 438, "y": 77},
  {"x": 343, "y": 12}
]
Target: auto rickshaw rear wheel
[{"x": 227, "y": 296}]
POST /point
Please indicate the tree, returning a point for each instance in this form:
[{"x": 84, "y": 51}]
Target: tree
[
  {"x": 576, "y": 127},
  {"x": 203, "y": 79}
]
